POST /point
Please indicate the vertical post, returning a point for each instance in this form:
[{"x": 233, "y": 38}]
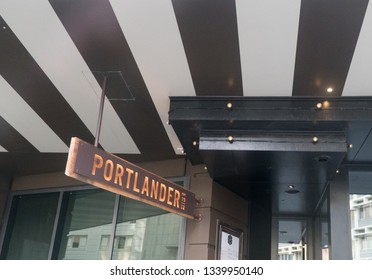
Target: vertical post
[
  {"x": 274, "y": 238},
  {"x": 340, "y": 226},
  {"x": 100, "y": 113}
]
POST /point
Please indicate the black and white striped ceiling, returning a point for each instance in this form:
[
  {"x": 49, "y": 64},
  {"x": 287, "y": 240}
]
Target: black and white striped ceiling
[{"x": 52, "y": 55}]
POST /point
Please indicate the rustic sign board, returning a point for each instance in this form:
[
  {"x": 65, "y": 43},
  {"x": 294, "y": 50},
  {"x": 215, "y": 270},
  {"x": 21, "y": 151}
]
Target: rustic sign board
[{"x": 94, "y": 166}]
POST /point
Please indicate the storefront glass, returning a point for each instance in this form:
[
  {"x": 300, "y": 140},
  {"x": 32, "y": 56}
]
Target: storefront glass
[
  {"x": 145, "y": 232},
  {"x": 30, "y": 227},
  {"x": 87, "y": 224},
  {"x": 87, "y": 218}
]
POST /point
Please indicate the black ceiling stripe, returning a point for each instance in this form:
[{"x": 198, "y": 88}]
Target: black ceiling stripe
[
  {"x": 328, "y": 33},
  {"x": 94, "y": 29},
  {"x": 210, "y": 37},
  {"x": 12, "y": 140},
  {"x": 26, "y": 77}
]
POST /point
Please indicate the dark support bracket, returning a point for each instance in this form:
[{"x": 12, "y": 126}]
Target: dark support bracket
[{"x": 100, "y": 113}]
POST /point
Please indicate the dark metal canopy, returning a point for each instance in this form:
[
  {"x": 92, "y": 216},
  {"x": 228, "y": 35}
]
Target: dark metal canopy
[{"x": 286, "y": 149}]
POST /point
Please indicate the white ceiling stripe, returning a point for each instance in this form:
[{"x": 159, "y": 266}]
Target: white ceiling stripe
[
  {"x": 359, "y": 78},
  {"x": 2, "y": 149},
  {"x": 44, "y": 36},
  {"x": 268, "y": 38},
  {"x": 21, "y": 116},
  {"x": 151, "y": 30}
]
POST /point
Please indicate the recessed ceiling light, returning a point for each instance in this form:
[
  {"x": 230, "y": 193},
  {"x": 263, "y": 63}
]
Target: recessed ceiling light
[
  {"x": 319, "y": 105},
  {"x": 291, "y": 186},
  {"x": 338, "y": 171},
  {"x": 330, "y": 89},
  {"x": 315, "y": 139},
  {"x": 229, "y": 105},
  {"x": 350, "y": 146},
  {"x": 230, "y": 139},
  {"x": 194, "y": 143}
]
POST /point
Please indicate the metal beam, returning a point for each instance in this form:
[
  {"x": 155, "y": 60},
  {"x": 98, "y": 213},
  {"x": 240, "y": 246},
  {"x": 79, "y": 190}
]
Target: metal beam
[
  {"x": 332, "y": 109},
  {"x": 264, "y": 141}
]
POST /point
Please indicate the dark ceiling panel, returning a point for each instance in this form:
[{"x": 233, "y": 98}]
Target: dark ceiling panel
[
  {"x": 210, "y": 36},
  {"x": 328, "y": 33},
  {"x": 364, "y": 153},
  {"x": 12, "y": 141},
  {"x": 21, "y": 71},
  {"x": 94, "y": 29},
  {"x": 273, "y": 145}
]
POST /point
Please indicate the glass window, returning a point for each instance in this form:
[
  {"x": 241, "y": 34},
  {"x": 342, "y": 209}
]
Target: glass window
[
  {"x": 104, "y": 241},
  {"x": 30, "y": 227},
  {"x": 145, "y": 232},
  {"x": 87, "y": 225},
  {"x": 367, "y": 211},
  {"x": 87, "y": 219}
]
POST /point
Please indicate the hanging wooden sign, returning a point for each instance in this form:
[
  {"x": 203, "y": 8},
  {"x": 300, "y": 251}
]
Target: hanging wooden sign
[{"x": 94, "y": 166}]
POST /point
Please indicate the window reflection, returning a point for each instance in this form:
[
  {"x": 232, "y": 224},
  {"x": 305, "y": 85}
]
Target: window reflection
[
  {"x": 361, "y": 226},
  {"x": 92, "y": 224},
  {"x": 29, "y": 231},
  {"x": 145, "y": 232},
  {"x": 88, "y": 217}
]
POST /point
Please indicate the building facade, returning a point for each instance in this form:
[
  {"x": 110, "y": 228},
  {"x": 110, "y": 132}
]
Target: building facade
[{"x": 261, "y": 109}]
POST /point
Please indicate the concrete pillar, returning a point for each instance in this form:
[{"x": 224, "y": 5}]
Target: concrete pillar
[
  {"x": 218, "y": 205},
  {"x": 260, "y": 224}
]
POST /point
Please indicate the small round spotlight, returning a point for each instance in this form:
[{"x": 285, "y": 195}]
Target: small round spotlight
[
  {"x": 230, "y": 139},
  {"x": 319, "y": 105},
  {"x": 315, "y": 139},
  {"x": 229, "y": 105}
]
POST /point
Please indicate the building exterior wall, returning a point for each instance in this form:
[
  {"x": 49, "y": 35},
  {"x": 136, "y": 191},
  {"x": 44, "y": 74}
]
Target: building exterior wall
[
  {"x": 217, "y": 204},
  {"x": 361, "y": 226}
]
